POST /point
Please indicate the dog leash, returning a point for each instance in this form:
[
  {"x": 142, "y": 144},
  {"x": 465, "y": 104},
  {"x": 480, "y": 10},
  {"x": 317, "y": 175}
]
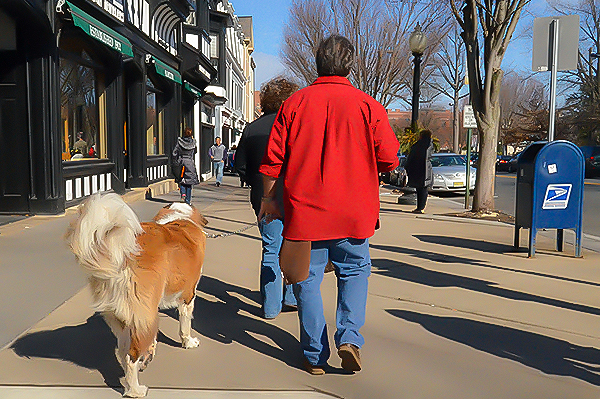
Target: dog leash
[{"x": 220, "y": 235}]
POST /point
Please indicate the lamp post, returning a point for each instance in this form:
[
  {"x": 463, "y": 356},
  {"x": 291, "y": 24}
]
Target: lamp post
[{"x": 417, "y": 42}]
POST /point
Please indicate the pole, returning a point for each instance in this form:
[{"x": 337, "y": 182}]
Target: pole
[
  {"x": 553, "y": 72},
  {"x": 468, "y": 172},
  {"x": 416, "y": 91}
]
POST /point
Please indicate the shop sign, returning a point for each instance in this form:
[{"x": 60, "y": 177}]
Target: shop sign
[
  {"x": 165, "y": 70},
  {"x": 204, "y": 72},
  {"x": 99, "y": 31},
  {"x": 193, "y": 89}
]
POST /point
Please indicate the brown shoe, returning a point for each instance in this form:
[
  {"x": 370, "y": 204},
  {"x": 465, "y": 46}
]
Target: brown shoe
[
  {"x": 311, "y": 369},
  {"x": 350, "y": 355}
]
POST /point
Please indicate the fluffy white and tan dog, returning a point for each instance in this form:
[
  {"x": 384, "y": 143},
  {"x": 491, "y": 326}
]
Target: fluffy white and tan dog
[{"x": 134, "y": 268}]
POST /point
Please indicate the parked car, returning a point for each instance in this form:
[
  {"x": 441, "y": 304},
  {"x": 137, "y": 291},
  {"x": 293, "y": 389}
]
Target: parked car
[
  {"x": 502, "y": 163},
  {"x": 386, "y": 177},
  {"x": 449, "y": 173},
  {"x": 592, "y": 160},
  {"x": 398, "y": 176},
  {"x": 512, "y": 163}
]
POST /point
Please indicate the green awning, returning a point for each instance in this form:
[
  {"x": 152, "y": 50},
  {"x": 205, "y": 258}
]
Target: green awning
[
  {"x": 99, "y": 31},
  {"x": 166, "y": 71},
  {"x": 193, "y": 89}
]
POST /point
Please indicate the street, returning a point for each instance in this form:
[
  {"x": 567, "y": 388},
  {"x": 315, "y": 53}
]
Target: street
[{"x": 505, "y": 200}]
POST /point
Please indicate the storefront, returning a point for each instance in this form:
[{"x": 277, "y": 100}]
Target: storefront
[{"x": 91, "y": 98}]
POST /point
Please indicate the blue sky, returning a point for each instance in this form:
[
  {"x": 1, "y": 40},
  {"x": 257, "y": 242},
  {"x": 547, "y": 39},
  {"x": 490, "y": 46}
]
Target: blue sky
[{"x": 269, "y": 17}]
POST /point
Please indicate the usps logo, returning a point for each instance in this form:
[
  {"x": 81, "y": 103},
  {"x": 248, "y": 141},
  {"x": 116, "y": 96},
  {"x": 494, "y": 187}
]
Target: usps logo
[{"x": 557, "y": 196}]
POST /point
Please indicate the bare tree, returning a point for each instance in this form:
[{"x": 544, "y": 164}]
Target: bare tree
[
  {"x": 495, "y": 23},
  {"x": 450, "y": 74},
  {"x": 379, "y": 30}
]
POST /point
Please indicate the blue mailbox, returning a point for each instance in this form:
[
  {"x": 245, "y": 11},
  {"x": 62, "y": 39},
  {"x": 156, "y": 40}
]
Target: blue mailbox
[{"x": 550, "y": 191}]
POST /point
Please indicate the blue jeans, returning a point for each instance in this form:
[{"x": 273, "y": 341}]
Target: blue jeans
[
  {"x": 352, "y": 267},
  {"x": 186, "y": 190},
  {"x": 272, "y": 290},
  {"x": 219, "y": 165}
]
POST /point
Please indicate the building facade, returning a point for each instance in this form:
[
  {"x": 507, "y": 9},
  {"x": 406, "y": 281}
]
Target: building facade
[
  {"x": 231, "y": 52},
  {"x": 94, "y": 93}
]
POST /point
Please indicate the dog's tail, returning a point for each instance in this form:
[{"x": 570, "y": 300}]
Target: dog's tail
[{"x": 103, "y": 238}]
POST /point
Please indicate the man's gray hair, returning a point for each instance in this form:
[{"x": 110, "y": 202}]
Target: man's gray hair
[{"x": 335, "y": 56}]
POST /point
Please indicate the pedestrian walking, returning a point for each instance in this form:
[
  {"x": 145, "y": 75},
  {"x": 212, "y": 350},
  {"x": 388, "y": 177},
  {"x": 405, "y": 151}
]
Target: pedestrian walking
[
  {"x": 419, "y": 170},
  {"x": 218, "y": 155},
  {"x": 249, "y": 154},
  {"x": 183, "y": 156},
  {"x": 332, "y": 139}
]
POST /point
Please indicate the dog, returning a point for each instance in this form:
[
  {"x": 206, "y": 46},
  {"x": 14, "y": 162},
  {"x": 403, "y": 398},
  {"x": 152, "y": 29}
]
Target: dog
[{"x": 136, "y": 268}]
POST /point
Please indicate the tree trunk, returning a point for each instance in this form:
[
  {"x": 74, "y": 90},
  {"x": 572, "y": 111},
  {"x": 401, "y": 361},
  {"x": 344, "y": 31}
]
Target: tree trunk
[{"x": 483, "y": 200}]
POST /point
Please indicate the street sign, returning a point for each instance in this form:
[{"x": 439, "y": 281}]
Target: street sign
[
  {"x": 568, "y": 43},
  {"x": 555, "y": 48},
  {"x": 469, "y": 121}
]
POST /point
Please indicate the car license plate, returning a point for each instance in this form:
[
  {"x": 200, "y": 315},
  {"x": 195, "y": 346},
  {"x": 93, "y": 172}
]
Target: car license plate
[{"x": 458, "y": 184}]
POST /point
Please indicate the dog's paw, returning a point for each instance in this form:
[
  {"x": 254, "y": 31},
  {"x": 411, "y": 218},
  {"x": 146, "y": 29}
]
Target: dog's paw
[
  {"x": 136, "y": 392},
  {"x": 190, "y": 342},
  {"x": 145, "y": 361}
]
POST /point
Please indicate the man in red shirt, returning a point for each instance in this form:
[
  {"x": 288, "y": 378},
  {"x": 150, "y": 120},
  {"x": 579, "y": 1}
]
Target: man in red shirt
[{"x": 330, "y": 141}]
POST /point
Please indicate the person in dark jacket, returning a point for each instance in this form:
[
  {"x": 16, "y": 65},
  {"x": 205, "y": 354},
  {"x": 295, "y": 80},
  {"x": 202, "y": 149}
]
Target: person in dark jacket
[
  {"x": 419, "y": 170},
  {"x": 248, "y": 157},
  {"x": 183, "y": 154}
]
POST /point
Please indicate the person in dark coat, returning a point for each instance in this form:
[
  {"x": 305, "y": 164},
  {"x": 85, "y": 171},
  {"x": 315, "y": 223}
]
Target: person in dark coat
[
  {"x": 183, "y": 154},
  {"x": 419, "y": 170},
  {"x": 248, "y": 157}
]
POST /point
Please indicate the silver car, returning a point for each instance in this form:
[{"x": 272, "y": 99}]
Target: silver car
[
  {"x": 449, "y": 173},
  {"x": 398, "y": 176}
]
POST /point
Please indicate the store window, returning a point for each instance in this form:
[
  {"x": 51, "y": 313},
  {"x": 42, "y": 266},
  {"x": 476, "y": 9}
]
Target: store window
[
  {"x": 154, "y": 121},
  {"x": 83, "y": 107}
]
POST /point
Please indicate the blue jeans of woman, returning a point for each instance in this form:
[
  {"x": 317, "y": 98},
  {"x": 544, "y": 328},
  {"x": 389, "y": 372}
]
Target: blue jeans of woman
[
  {"x": 186, "y": 193},
  {"x": 352, "y": 263},
  {"x": 273, "y": 292}
]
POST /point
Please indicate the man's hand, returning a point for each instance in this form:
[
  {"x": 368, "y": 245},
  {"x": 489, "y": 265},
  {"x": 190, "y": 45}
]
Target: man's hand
[{"x": 268, "y": 209}]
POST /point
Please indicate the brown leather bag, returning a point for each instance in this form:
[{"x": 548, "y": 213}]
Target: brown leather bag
[{"x": 294, "y": 260}]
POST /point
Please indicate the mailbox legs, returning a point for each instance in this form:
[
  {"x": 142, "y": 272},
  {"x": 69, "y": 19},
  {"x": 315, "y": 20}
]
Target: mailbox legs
[
  {"x": 532, "y": 234},
  {"x": 559, "y": 239},
  {"x": 517, "y": 240},
  {"x": 578, "y": 234}
]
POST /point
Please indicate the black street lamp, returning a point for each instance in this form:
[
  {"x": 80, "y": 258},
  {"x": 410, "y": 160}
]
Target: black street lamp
[{"x": 417, "y": 42}]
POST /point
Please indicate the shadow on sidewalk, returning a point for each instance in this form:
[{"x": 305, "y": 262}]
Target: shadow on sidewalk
[
  {"x": 431, "y": 278},
  {"x": 471, "y": 244},
  {"x": 548, "y": 355},
  {"x": 467, "y": 243},
  {"x": 90, "y": 345},
  {"x": 224, "y": 321},
  {"x": 432, "y": 256}
]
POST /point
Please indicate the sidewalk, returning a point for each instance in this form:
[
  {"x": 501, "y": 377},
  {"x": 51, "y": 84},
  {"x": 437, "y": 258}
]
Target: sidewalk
[{"x": 453, "y": 312}]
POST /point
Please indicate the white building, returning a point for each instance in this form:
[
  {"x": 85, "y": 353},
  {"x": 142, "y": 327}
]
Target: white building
[{"x": 231, "y": 118}]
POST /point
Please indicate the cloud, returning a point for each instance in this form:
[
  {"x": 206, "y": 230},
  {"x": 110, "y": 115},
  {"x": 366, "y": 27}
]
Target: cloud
[{"x": 267, "y": 67}]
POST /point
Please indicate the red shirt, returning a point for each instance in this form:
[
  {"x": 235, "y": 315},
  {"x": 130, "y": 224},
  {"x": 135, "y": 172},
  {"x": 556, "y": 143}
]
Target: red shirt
[{"x": 330, "y": 140}]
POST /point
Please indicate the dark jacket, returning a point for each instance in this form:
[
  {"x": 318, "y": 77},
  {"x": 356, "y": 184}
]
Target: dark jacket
[
  {"x": 249, "y": 155},
  {"x": 418, "y": 163},
  {"x": 183, "y": 154}
]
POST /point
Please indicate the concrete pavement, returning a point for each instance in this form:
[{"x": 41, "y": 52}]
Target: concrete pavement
[{"x": 452, "y": 312}]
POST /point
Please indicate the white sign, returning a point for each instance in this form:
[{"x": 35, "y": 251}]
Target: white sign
[
  {"x": 557, "y": 196},
  {"x": 469, "y": 121},
  {"x": 552, "y": 168}
]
